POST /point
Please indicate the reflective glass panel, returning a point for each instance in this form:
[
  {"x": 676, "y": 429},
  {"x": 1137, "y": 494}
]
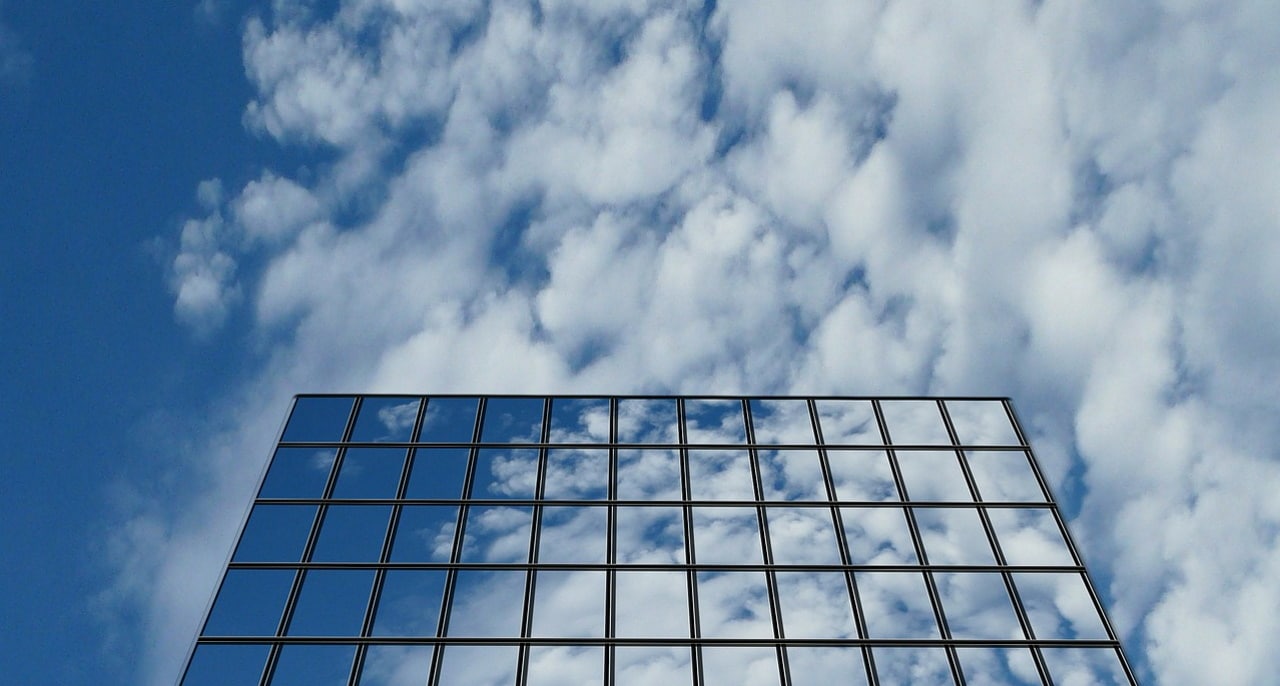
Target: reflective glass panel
[
  {"x": 487, "y": 603},
  {"x": 318, "y": 420},
  {"x": 802, "y": 536},
  {"x": 352, "y": 533},
  {"x": 720, "y": 475},
  {"x": 981, "y": 422},
  {"x": 577, "y": 475},
  {"x": 878, "y": 536},
  {"x": 735, "y": 666},
  {"x": 792, "y": 475},
  {"x": 912, "y": 666},
  {"x": 579, "y": 420},
  {"x": 734, "y": 605},
  {"x": 642, "y": 420},
  {"x": 932, "y": 475},
  {"x": 1093, "y": 666},
  {"x": 425, "y": 533},
  {"x": 250, "y": 602},
  {"x": 726, "y": 535},
  {"x": 862, "y": 475},
  {"x": 478, "y": 665},
  {"x": 505, "y": 474},
  {"x": 977, "y": 606},
  {"x": 781, "y": 421},
  {"x": 566, "y": 666},
  {"x": 410, "y": 602},
  {"x": 314, "y": 665},
  {"x": 497, "y": 534},
  {"x": 650, "y": 535},
  {"x": 219, "y": 665},
  {"x": 370, "y": 473},
  {"x": 298, "y": 473},
  {"x": 848, "y": 422},
  {"x": 386, "y": 420},
  {"x": 816, "y": 605},
  {"x": 896, "y": 605},
  {"x": 396, "y": 665},
  {"x": 574, "y": 535},
  {"x": 998, "y": 667},
  {"x": 1058, "y": 606},
  {"x": 648, "y": 665},
  {"x": 1004, "y": 476},
  {"x": 823, "y": 665},
  {"x": 914, "y": 422},
  {"x": 648, "y": 475},
  {"x": 652, "y": 604},
  {"x": 276, "y": 533},
  {"x": 437, "y": 473},
  {"x": 714, "y": 421},
  {"x": 1030, "y": 537},
  {"x": 332, "y": 602},
  {"x": 569, "y": 603},
  {"x": 449, "y": 420},
  {"x": 512, "y": 420},
  {"x": 953, "y": 536}
]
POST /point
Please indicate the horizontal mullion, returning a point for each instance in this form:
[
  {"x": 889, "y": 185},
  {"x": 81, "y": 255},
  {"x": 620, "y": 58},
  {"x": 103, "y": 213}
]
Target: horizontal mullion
[
  {"x": 654, "y": 446},
  {"x": 527, "y": 502},
  {"x": 660, "y": 567},
  {"x": 600, "y": 641}
]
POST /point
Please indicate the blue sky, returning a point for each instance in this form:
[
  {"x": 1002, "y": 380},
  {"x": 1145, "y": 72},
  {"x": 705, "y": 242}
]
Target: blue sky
[{"x": 206, "y": 207}]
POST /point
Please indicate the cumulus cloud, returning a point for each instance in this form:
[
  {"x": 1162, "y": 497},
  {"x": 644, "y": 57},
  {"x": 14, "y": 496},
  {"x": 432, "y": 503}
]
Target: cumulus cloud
[{"x": 1069, "y": 203}]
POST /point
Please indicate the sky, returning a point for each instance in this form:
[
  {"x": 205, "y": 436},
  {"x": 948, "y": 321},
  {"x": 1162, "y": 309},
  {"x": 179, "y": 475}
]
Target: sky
[{"x": 206, "y": 207}]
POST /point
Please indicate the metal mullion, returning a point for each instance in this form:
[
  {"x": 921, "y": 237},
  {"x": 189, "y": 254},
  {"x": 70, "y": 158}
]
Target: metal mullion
[
  {"x": 691, "y": 579},
  {"x": 380, "y": 575},
  {"x": 273, "y": 655},
  {"x": 917, "y": 540},
  {"x": 611, "y": 548},
  {"x": 1071, "y": 545},
  {"x": 989, "y": 529},
  {"x": 846, "y": 558},
  {"x": 455, "y": 555},
  {"x": 766, "y": 546},
  {"x": 535, "y": 535}
]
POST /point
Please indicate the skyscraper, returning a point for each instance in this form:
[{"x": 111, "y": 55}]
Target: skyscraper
[{"x": 654, "y": 540}]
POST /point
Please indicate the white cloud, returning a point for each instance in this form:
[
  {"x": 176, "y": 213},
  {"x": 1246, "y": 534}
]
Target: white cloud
[{"x": 1070, "y": 203}]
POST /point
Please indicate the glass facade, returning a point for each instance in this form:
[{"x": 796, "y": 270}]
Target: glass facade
[{"x": 479, "y": 540}]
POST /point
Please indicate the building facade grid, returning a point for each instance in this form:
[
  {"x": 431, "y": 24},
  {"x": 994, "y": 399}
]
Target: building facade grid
[{"x": 624, "y": 540}]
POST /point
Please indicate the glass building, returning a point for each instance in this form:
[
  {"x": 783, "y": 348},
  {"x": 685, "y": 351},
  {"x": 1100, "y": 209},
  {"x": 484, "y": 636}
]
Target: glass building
[{"x": 654, "y": 540}]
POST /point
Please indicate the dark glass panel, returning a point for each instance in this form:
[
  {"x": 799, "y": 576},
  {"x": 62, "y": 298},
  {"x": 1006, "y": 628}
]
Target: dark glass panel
[
  {"x": 318, "y": 420},
  {"x": 449, "y": 420},
  {"x": 386, "y": 420}
]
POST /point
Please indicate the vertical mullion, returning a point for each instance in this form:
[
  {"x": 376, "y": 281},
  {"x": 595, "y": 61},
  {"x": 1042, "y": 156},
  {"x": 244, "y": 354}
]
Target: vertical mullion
[
  {"x": 944, "y": 630},
  {"x": 1071, "y": 546},
  {"x": 459, "y": 530},
  {"x": 1011, "y": 588},
  {"x": 526, "y": 623},
  {"x": 691, "y": 577},
  {"x": 273, "y": 656},
  {"x": 375, "y": 594},
  {"x": 846, "y": 559},
  {"x": 766, "y": 548},
  {"x": 611, "y": 549}
]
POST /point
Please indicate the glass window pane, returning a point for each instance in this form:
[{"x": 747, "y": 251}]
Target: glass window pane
[
  {"x": 276, "y": 533},
  {"x": 781, "y": 421},
  {"x": 822, "y": 666},
  {"x": 648, "y": 665},
  {"x": 219, "y": 665},
  {"x": 862, "y": 475},
  {"x": 352, "y": 533},
  {"x": 816, "y": 605},
  {"x": 792, "y": 475},
  {"x": 1058, "y": 606},
  {"x": 802, "y": 536},
  {"x": 726, "y": 535},
  {"x": 506, "y": 474},
  {"x": 734, "y": 605},
  {"x": 981, "y": 422},
  {"x": 1092, "y": 666},
  {"x": 386, "y": 420},
  {"x": 932, "y": 475},
  {"x": 425, "y": 533},
  {"x": 250, "y": 602},
  {"x": 896, "y": 605},
  {"x": 1004, "y": 476},
  {"x": 566, "y": 666},
  {"x": 878, "y": 536},
  {"x": 332, "y": 602},
  {"x": 298, "y": 473},
  {"x": 497, "y": 534},
  {"x": 714, "y": 421},
  {"x": 648, "y": 475},
  {"x": 393, "y": 665},
  {"x": 488, "y": 603},
  {"x": 953, "y": 536},
  {"x": 998, "y": 667},
  {"x": 720, "y": 475},
  {"x": 574, "y": 535},
  {"x": 577, "y": 475},
  {"x": 643, "y": 420},
  {"x": 478, "y": 665},
  {"x": 977, "y": 606},
  {"x": 1030, "y": 537},
  {"x": 579, "y": 420},
  {"x": 369, "y": 473},
  {"x": 569, "y": 603},
  {"x": 650, "y": 535},
  {"x": 449, "y": 420},
  {"x": 410, "y": 602},
  {"x": 848, "y": 422},
  {"x": 735, "y": 666},
  {"x": 512, "y": 420},
  {"x": 652, "y": 605},
  {"x": 914, "y": 422},
  {"x": 902, "y": 666},
  {"x": 314, "y": 665},
  {"x": 437, "y": 473},
  {"x": 318, "y": 420}
]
